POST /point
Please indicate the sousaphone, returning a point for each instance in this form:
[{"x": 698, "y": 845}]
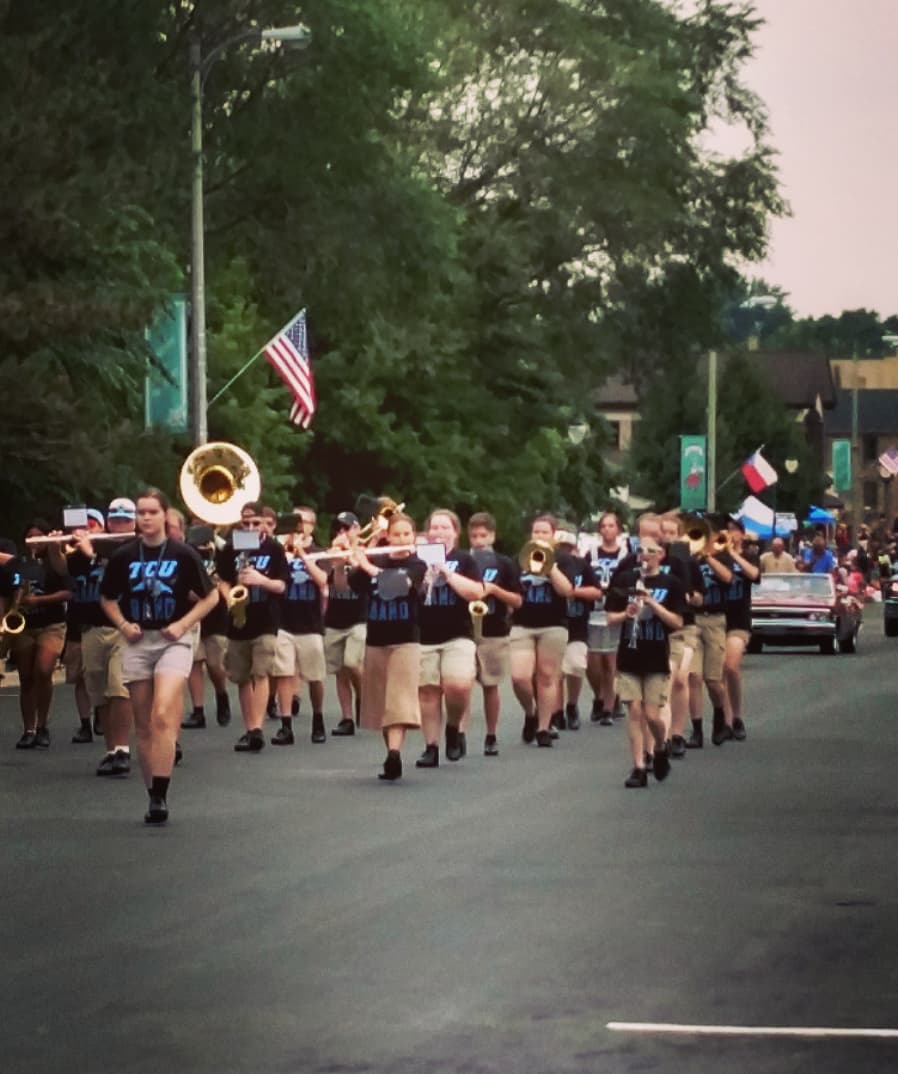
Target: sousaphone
[{"x": 217, "y": 481}]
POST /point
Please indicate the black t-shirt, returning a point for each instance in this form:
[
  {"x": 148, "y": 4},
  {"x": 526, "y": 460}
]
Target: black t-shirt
[
  {"x": 84, "y": 607},
  {"x": 216, "y": 622},
  {"x": 688, "y": 572},
  {"x": 715, "y": 589},
  {"x": 394, "y": 599},
  {"x": 262, "y": 607},
  {"x": 345, "y": 606},
  {"x": 40, "y": 580},
  {"x": 444, "y": 614},
  {"x": 301, "y": 611},
  {"x": 153, "y": 585},
  {"x": 648, "y": 653},
  {"x": 543, "y": 606},
  {"x": 578, "y": 611},
  {"x": 505, "y": 573},
  {"x": 738, "y": 599}
]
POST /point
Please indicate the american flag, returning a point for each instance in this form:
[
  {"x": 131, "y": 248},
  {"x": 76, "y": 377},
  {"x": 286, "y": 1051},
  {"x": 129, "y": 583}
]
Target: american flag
[{"x": 288, "y": 352}]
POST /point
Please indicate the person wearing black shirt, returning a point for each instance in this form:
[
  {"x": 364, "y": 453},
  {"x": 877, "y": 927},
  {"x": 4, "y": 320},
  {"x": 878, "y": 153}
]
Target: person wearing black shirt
[
  {"x": 155, "y": 591},
  {"x": 252, "y": 634},
  {"x": 539, "y": 637},
  {"x": 601, "y": 660},
  {"x": 746, "y": 573},
  {"x": 502, "y": 596},
  {"x": 344, "y": 627},
  {"x": 579, "y": 608},
  {"x": 394, "y": 587},
  {"x": 212, "y": 649},
  {"x": 39, "y": 593},
  {"x": 448, "y": 653},
  {"x": 649, "y": 605}
]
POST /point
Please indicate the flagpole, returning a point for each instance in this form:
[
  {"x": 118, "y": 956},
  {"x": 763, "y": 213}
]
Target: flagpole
[{"x": 256, "y": 356}]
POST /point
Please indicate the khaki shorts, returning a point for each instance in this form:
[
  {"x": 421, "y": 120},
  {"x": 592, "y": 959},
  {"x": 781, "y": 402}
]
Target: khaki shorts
[
  {"x": 650, "y": 689},
  {"x": 680, "y": 641},
  {"x": 454, "y": 659},
  {"x": 493, "y": 661},
  {"x": 154, "y": 654},
  {"x": 602, "y": 636},
  {"x": 250, "y": 659},
  {"x": 744, "y": 635},
  {"x": 344, "y": 648},
  {"x": 390, "y": 686},
  {"x": 50, "y": 637},
  {"x": 543, "y": 644},
  {"x": 708, "y": 659},
  {"x": 574, "y": 662},
  {"x": 73, "y": 662},
  {"x": 104, "y": 676},
  {"x": 299, "y": 654},
  {"x": 213, "y": 651}
]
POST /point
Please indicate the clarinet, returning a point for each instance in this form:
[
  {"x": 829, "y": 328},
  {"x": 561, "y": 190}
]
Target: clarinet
[{"x": 636, "y": 600}]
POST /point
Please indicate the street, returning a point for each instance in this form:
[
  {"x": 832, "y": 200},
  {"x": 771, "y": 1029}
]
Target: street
[{"x": 489, "y": 917}]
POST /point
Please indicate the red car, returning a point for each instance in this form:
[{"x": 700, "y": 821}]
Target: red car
[{"x": 804, "y": 609}]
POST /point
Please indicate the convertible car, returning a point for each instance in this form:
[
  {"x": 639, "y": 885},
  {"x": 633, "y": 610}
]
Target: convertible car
[{"x": 804, "y": 609}]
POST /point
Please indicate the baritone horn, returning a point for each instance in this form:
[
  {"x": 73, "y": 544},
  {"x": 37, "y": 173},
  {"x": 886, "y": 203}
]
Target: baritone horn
[
  {"x": 217, "y": 480},
  {"x": 537, "y": 557},
  {"x": 697, "y": 531}
]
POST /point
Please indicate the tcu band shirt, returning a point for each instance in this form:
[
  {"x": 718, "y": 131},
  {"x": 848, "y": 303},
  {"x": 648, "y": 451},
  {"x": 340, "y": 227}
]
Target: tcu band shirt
[{"x": 153, "y": 585}]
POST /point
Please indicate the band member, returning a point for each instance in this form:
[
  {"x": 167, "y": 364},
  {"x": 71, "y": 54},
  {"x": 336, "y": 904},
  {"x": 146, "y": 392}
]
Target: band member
[
  {"x": 38, "y": 592},
  {"x": 213, "y": 643},
  {"x": 155, "y": 590},
  {"x": 395, "y": 589},
  {"x": 72, "y": 655},
  {"x": 579, "y": 608},
  {"x": 344, "y": 627},
  {"x": 603, "y": 637},
  {"x": 299, "y": 656},
  {"x": 102, "y": 645},
  {"x": 715, "y": 564},
  {"x": 746, "y": 573},
  {"x": 502, "y": 595},
  {"x": 649, "y": 606},
  {"x": 448, "y": 660},
  {"x": 253, "y": 623},
  {"x": 175, "y": 524},
  {"x": 539, "y": 637}
]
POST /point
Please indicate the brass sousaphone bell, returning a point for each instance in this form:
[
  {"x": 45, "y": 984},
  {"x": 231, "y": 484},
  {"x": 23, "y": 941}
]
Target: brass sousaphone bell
[{"x": 217, "y": 481}]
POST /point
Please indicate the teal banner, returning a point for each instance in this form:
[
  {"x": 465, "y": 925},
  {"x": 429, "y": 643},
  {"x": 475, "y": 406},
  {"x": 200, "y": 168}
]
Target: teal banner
[
  {"x": 693, "y": 473},
  {"x": 165, "y": 392},
  {"x": 842, "y": 465}
]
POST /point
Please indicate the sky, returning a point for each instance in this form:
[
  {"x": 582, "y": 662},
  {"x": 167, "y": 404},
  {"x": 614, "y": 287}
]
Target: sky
[{"x": 827, "y": 71}]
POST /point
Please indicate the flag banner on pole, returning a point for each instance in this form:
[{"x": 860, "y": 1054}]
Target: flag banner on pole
[
  {"x": 288, "y": 352},
  {"x": 841, "y": 459},
  {"x": 758, "y": 472},
  {"x": 693, "y": 473},
  {"x": 888, "y": 461}
]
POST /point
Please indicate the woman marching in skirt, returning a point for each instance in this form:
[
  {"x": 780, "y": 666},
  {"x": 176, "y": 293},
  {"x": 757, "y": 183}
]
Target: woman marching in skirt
[{"x": 394, "y": 585}]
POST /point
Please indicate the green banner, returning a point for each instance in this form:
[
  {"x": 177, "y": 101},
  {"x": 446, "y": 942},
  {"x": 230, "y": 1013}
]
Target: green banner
[
  {"x": 165, "y": 392},
  {"x": 693, "y": 473},
  {"x": 842, "y": 465}
]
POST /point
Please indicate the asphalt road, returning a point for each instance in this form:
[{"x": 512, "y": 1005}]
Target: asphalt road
[{"x": 489, "y": 917}]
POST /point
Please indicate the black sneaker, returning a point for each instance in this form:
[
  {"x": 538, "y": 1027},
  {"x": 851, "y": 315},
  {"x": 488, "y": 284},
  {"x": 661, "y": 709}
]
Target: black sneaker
[
  {"x": 223, "y": 710},
  {"x": 528, "y": 732},
  {"x": 453, "y": 746},
  {"x": 318, "y": 732},
  {"x": 106, "y": 767},
  {"x": 606, "y": 719},
  {"x": 42, "y": 738},
  {"x": 739, "y": 732},
  {"x": 283, "y": 737},
  {"x": 392, "y": 767},
  {"x": 157, "y": 813},
  {"x": 430, "y": 758},
  {"x": 596, "y": 714},
  {"x": 121, "y": 763},
  {"x": 83, "y": 734},
  {"x": 194, "y": 721},
  {"x": 637, "y": 778},
  {"x": 696, "y": 740},
  {"x": 490, "y": 746},
  {"x": 250, "y": 742},
  {"x": 573, "y": 718},
  {"x": 721, "y": 733},
  {"x": 344, "y": 727},
  {"x": 662, "y": 764},
  {"x": 557, "y": 721},
  {"x": 678, "y": 746},
  {"x": 544, "y": 738}
]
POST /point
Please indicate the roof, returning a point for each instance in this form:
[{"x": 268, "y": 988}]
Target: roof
[
  {"x": 877, "y": 413},
  {"x": 798, "y": 377}
]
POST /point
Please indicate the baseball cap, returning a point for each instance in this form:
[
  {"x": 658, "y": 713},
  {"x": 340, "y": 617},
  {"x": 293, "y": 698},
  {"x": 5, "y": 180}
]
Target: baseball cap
[
  {"x": 122, "y": 507},
  {"x": 93, "y": 515},
  {"x": 344, "y": 521},
  {"x": 200, "y": 536},
  {"x": 565, "y": 537}
]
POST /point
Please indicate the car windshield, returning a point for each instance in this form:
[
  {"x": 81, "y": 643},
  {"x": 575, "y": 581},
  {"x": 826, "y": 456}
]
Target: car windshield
[{"x": 795, "y": 586}]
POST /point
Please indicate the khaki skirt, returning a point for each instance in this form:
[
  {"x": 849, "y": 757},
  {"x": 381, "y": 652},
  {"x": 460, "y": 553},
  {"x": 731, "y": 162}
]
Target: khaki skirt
[{"x": 390, "y": 686}]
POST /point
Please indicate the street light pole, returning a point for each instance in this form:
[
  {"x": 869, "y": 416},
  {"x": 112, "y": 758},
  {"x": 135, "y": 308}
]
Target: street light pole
[
  {"x": 199, "y": 68},
  {"x": 712, "y": 431}
]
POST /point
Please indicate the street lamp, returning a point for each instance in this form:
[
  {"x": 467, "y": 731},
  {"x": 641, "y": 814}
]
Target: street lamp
[{"x": 199, "y": 69}]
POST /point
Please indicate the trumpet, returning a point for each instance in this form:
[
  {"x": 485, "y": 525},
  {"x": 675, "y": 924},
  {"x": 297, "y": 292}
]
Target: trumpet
[
  {"x": 722, "y": 542},
  {"x": 697, "y": 532},
  {"x": 537, "y": 557},
  {"x": 477, "y": 610}
]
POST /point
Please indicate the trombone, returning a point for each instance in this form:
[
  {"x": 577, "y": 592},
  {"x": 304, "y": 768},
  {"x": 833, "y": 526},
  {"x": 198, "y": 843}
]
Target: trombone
[{"x": 380, "y": 520}]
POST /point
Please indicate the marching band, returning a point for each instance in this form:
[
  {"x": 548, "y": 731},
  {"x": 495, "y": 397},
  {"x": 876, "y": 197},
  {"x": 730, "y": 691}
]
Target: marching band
[{"x": 142, "y": 606}]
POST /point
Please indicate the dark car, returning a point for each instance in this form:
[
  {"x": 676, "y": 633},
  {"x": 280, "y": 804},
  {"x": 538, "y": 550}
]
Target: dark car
[
  {"x": 804, "y": 609},
  {"x": 889, "y": 587}
]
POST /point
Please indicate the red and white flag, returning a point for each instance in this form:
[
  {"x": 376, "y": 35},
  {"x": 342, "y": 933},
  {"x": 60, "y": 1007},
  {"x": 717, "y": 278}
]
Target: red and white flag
[
  {"x": 758, "y": 472},
  {"x": 288, "y": 352}
]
